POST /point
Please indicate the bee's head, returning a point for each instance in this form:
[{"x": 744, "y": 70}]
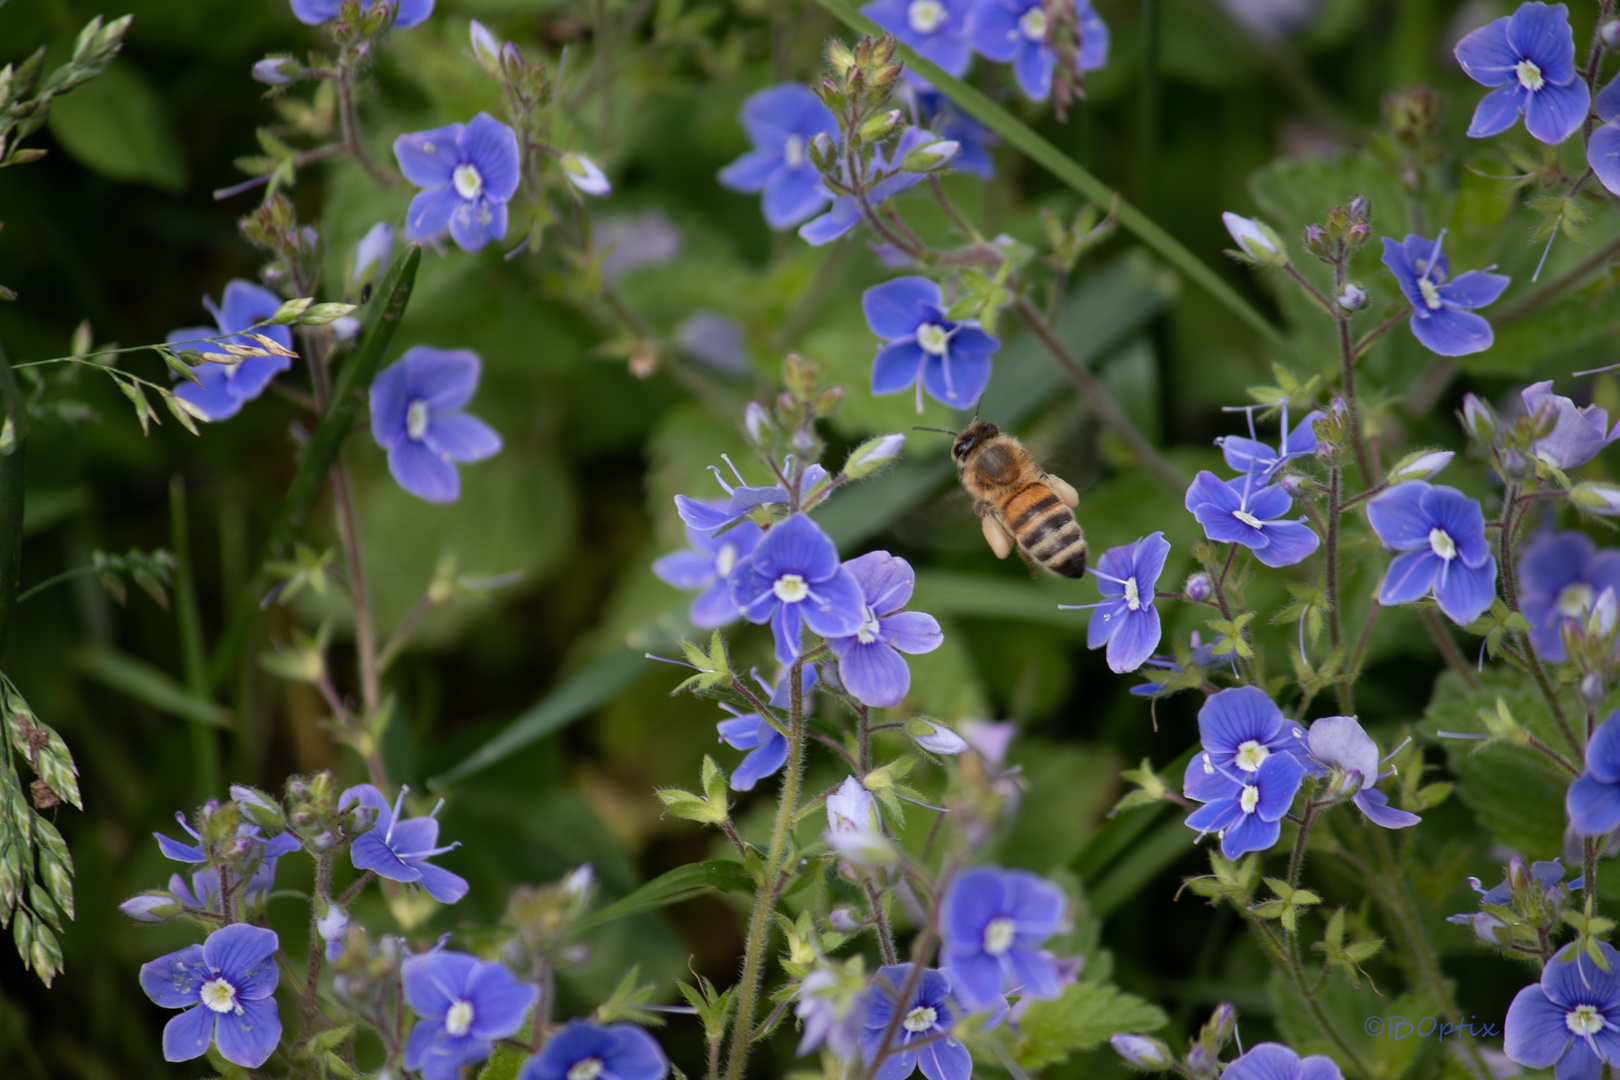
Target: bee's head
[{"x": 970, "y": 437}]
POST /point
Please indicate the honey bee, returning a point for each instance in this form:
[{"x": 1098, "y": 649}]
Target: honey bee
[{"x": 1018, "y": 503}]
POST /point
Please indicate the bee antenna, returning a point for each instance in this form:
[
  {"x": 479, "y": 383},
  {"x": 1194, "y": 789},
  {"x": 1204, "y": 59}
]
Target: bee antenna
[
  {"x": 942, "y": 431},
  {"x": 976, "y": 407}
]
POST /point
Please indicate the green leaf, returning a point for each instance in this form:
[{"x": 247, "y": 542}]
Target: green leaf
[
  {"x": 118, "y": 126},
  {"x": 1081, "y": 1019},
  {"x": 987, "y": 112},
  {"x": 151, "y": 685},
  {"x": 682, "y": 883}
]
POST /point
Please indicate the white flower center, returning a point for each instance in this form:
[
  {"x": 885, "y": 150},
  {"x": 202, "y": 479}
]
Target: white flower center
[
  {"x": 1529, "y": 75},
  {"x": 416, "y": 420},
  {"x": 1249, "y": 799},
  {"x": 468, "y": 182},
  {"x": 1250, "y": 755},
  {"x": 585, "y": 1069},
  {"x": 1133, "y": 598},
  {"x": 933, "y": 339},
  {"x": 790, "y": 588},
  {"x": 793, "y": 151},
  {"x": 868, "y": 631},
  {"x": 1032, "y": 24},
  {"x": 1431, "y": 293},
  {"x": 1575, "y": 600},
  {"x": 998, "y": 936},
  {"x": 926, "y": 16},
  {"x": 459, "y": 1018},
  {"x": 920, "y": 1019},
  {"x": 218, "y": 995},
  {"x": 1441, "y": 543},
  {"x": 725, "y": 559},
  {"x": 1248, "y": 519},
  {"x": 1583, "y": 1019}
]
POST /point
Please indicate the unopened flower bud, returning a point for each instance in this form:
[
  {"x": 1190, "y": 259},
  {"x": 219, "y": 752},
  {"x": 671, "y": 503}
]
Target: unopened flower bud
[
  {"x": 881, "y": 126},
  {"x": 757, "y": 423},
  {"x": 1358, "y": 234},
  {"x": 583, "y": 173},
  {"x": 1316, "y": 240},
  {"x": 1610, "y": 33},
  {"x": 1203, "y": 1064},
  {"x": 1596, "y": 498},
  {"x": 934, "y": 737},
  {"x": 823, "y": 151},
  {"x": 933, "y": 156},
  {"x": 1420, "y": 465},
  {"x": 486, "y": 49},
  {"x": 839, "y": 57},
  {"x": 872, "y": 455},
  {"x": 1352, "y": 297},
  {"x": 1357, "y": 209},
  {"x": 325, "y": 840},
  {"x": 1592, "y": 688},
  {"x": 1479, "y": 419},
  {"x": 1296, "y": 484},
  {"x": 334, "y": 924},
  {"x": 1257, "y": 240},
  {"x": 1219, "y": 1027},
  {"x": 1142, "y": 1052},
  {"x": 1518, "y": 467},
  {"x": 151, "y": 907},
  {"x": 276, "y": 71},
  {"x": 1199, "y": 587},
  {"x": 843, "y": 920},
  {"x": 1413, "y": 114}
]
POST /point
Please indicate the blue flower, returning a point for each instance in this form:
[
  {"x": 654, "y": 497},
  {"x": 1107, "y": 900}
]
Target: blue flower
[
  {"x": 226, "y": 986},
  {"x": 1529, "y": 57},
  {"x": 1561, "y": 576},
  {"x": 947, "y": 357},
  {"x": 1248, "y": 812},
  {"x": 749, "y": 731},
  {"x": 583, "y": 1051},
  {"x": 992, "y": 922},
  {"x": 1593, "y": 800},
  {"x": 1014, "y": 31},
  {"x": 1578, "y": 435},
  {"x": 1570, "y": 1019},
  {"x": 399, "y": 848},
  {"x": 1549, "y": 883},
  {"x": 373, "y": 250},
  {"x": 315, "y": 12},
  {"x": 793, "y": 576},
  {"x": 1203, "y": 655},
  {"x": 706, "y": 564},
  {"x": 1253, "y": 456},
  {"x": 939, "y": 114},
  {"x": 1339, "y": 743},
  {"x": 1274, "y": 1061},
  {"x": 928, "y": 1011},
  {"x": 937, "y": 29},
  {"x": 416, "y": 416},
  {"x": 261, "y": 854},
  {"x": 712, "y": 516},
  {"x": 1440, "y": 534},
  {"x": 465, "y": 1006},
  {"x": 780, "y": 122},
  {"x": 1252, "y": 517},
  {"x": 1603, "y": 148},
  {"x": 1241, "y": 729},
  {"x": 1443, "y": 318},
  {"x": 845, "y": 212},
  {"x": 1126, "y": 620},
  {"x": 468, "y": 173},
  {"x": 869, "y": 662},
  {"x": 225, "y": 388}
]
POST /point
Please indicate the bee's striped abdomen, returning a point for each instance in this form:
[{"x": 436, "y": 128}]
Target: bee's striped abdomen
[{"x": 1045, "y": 529}]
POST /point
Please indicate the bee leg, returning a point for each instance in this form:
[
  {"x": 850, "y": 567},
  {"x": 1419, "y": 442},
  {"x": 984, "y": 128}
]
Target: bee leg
[
  {"x": 1063, "y": 490},
  {"x": 1034, "y": 569},
  {"x": 996, "y": 536}
]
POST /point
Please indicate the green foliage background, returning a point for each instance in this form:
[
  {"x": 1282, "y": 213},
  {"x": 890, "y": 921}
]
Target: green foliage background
[{"x": 117, "y": 226}]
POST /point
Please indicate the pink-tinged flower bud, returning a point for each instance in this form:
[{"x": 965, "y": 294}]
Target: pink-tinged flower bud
[
  {"x": 486, "y": 49},
  {"x": 1358, "y": 209},
  {"x": 151, "y": 907},
  {"x": 1296, "y": 485},
  {"x": 1199, "y": 587},
  {"x": 1256, "y": 239},
  {"x": 1593, "y": 689},
  {"x": 1203, "y": 1064},
  {"x": 1610, "y": 33},
  {"x": 872, "y": 455},
  {"x": 1358, "y": 234},
  {"x": 843, "y": 920},
  {"x": 1221, "y": 1024},
  {"x": 1352, "y": 297},
  {"x": 584, "y": 174},
  {"x": 1420, "y": 465},
  {"x": 1142, "y": 1052},
  {"x": 1596, "y": 498},
  {"x": 757, "y": 423}
]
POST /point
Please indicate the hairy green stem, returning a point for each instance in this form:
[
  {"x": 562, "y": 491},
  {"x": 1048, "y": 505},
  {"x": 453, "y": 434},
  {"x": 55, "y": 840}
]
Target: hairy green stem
[
  {"x": 759, "y": 923},
  {"x": 323, "y": 886},
  {"x": 1296, "y": 976}
]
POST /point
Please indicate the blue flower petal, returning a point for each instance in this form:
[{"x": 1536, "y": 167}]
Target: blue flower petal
[
  {"x": 1603, "y": 153},
  {"x": 492, "y": 148},
  {"x": 1289, "y": 542},
  {"x": 896, "y": 308},
  {"x": 1465, "y": 593},
  {"x": 898, "y": 366},
  {"x": 1541, "y": 34},
  {"x": 1409, "y": 578},
  {"x": 1497, "y": 111},
  {"x": 187, "y": 1035},
  {"x": 957, "y": 381},
  {"x": 1452, "y": 333},
  {"x": 429, "y": 158},
  {"x": 423, "y": 473},
  {"x": 1486, "y": 55},
  {"x": 430, "y": 212},
  {"x": 249, "y": 1034},
  {"x": 1033, "y": 69},
  {"x": 1134, "y": 640},
  {"x": 992, "y": 27},
  {"x": 1249, "y": 834},
  {"x": 875, "y": 673},
  {"x": 441, "y": 884},
  {"x": 1593, "y": 806},
  {"x": 245, "y": 955},
  {"x": 793, "y": 196},
  {"x": 213, "y": 396},
  {"x": 1399, "y": 518},
  {"x": 461, "y": 437},
  {"x": 1375, "y": 804},
  {"x": 749, "y": 173},
  {"x": 1554, "y": 113}
]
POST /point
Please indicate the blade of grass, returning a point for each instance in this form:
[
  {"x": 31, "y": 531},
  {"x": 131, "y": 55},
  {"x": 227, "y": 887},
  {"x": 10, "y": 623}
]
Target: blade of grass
[
  {"x": 12, "y": 461},
  {"x": 322, "y": 450},
  {"x": 150, "y": 684},
  {"x": 1113, "y": 839},
  {"x": 682, "y": 883},
  {"x": 1060, "y": 165},
  {"x": 193, "y": 658}
]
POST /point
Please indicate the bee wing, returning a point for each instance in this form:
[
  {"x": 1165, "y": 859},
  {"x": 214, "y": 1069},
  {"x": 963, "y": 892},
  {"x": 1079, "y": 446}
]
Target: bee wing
[
  {"x": 1063, "y": 490},
  {"x": 1000, "y": 542}
]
